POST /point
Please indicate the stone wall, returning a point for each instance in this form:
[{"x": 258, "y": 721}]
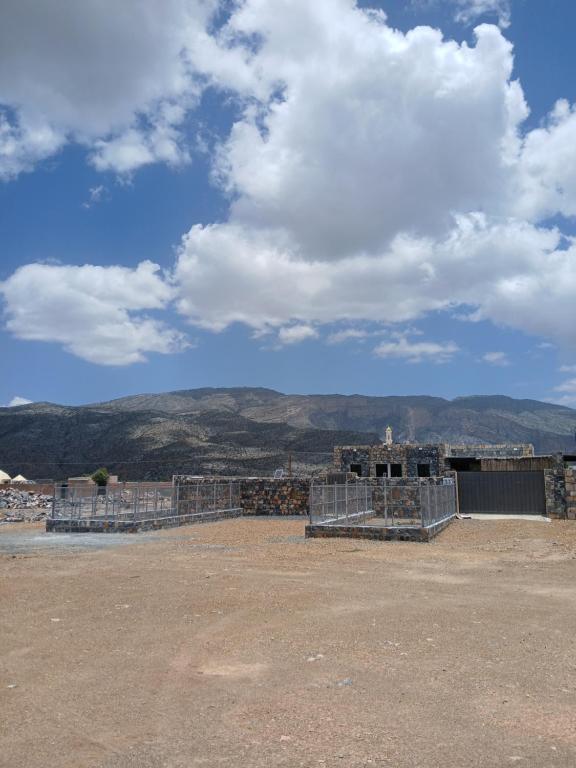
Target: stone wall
[
  {"x": 409, "y": 455},
  {"x": 402, "y": 495},
  {"x": 259, "y": 496},
  {"x": 288, "y": 496},
  {"x": 486, "y": 450},
  {"x": 555, "y": 491},
  {"x": 570, "y": 491},
  {"x": 135, "y": 526},
  {"x": 389, "y": 533}
]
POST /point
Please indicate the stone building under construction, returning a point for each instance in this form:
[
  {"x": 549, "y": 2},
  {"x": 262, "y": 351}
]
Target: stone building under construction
[
  {"x": 420, "y": 459},
  {"x": 498, "y": 479}
]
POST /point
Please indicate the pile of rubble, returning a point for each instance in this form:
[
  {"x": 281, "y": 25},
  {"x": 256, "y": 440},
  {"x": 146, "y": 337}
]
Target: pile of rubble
[{"x": 18, "y": 506}]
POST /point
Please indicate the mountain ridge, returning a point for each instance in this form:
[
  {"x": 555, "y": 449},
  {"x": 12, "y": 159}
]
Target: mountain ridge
[{"x": 252, "y": 430}]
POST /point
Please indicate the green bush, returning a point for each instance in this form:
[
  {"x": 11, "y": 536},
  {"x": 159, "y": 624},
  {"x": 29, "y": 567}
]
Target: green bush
[{"x": 101, "y": 476}]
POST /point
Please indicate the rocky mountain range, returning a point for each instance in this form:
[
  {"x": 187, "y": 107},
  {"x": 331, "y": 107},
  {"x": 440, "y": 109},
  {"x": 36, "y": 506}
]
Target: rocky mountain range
[{"x": 253, "y": 431}]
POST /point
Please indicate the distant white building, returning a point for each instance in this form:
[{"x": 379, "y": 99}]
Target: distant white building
[
  {"x": 4, "y": 478},
  {"x": 20, "y": 479}
]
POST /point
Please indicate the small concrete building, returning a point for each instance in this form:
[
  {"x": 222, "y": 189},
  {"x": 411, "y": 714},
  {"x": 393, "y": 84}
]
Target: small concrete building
[
  {"x": 76, "y": 482},
  {"x": 4, "y": 478}
]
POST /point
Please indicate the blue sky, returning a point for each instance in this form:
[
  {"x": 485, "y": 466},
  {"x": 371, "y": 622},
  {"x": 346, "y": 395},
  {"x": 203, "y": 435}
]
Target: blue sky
[{"x": 366, "y": 207}]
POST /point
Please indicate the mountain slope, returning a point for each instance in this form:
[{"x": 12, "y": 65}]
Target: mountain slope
[{"x": 252, "y": 430}]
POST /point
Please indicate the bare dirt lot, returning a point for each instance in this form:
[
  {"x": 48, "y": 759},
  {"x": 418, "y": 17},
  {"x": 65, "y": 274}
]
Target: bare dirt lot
[{"x": 241, "y": 644}]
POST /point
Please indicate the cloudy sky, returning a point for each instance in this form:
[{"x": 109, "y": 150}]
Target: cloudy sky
[{"x": 373, "y": 197}]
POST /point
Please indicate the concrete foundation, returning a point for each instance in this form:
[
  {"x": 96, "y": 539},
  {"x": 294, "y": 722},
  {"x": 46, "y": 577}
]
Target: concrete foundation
[
  {"x": 131, "y": 526},
  {"x": 377, "y": 532}
]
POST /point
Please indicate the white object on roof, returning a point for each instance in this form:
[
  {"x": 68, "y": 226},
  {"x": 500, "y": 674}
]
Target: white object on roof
[{"x": 20, "y": 479}]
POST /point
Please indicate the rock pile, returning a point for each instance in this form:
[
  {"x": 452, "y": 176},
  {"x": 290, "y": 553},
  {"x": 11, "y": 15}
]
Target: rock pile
[{"x": 18, "y": 506}]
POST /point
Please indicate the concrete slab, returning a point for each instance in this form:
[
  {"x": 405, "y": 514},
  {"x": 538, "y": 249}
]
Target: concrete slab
[{"x": 530, "y": 518}]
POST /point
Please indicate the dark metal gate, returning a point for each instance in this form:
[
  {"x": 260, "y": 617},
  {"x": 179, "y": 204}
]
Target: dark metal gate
[{"x": 507, "y": 493}]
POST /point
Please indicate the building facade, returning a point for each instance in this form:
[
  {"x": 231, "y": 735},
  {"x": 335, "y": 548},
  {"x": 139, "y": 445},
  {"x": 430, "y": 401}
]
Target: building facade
[{"x": 421, "y": 460}]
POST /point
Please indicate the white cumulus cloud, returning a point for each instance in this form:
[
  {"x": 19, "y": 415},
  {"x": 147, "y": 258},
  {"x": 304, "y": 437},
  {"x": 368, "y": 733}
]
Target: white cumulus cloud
[
  {"x": 384, "y": 176},
  {"x": 348, "y": 334},
  {"x": 373, "y": 175},
  {"x": 417, "y": 351},
  {"x": 294, "y": 334},
  {"x": 468, "y": 11},
  {"x": 96, "y": 313},
  {"x": 377, "y": 132},
  {"x": 115, "y": 76},
  {"x": 496, "y": 358}
]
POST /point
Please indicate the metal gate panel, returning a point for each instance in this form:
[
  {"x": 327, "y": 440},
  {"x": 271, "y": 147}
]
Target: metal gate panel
[{"x": 507, "y": 493}]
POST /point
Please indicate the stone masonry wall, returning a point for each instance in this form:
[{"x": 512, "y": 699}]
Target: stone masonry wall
[
  {"x": 392, "y": 533},
  {"x": 555, "y": 491},
  {"x": 400, "y": 494},
  {"x": 408, "y": 456},
  {"x": 570, "y": 491},
  {"x": 288, "y": 496},
  {"x": 260, "y": 496},
  {"x": 489, "y": 451}
]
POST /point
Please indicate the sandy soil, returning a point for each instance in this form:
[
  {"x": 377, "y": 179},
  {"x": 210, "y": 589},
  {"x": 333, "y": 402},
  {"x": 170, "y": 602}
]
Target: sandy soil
[{"x": 242, "y": 644}]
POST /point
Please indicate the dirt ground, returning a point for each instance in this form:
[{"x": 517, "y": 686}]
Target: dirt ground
[{"x": 242, "y": 644}]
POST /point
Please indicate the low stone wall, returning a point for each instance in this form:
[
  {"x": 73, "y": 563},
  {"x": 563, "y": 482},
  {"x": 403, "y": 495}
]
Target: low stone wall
[
  {"x": 376, "y": 533},
  {"x": 130, "y": 526}
]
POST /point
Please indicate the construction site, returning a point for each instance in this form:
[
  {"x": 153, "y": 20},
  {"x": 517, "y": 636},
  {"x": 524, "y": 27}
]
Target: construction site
[
  {"x": 390, "y": 491},
  {"x": 394, "y": 609}
]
